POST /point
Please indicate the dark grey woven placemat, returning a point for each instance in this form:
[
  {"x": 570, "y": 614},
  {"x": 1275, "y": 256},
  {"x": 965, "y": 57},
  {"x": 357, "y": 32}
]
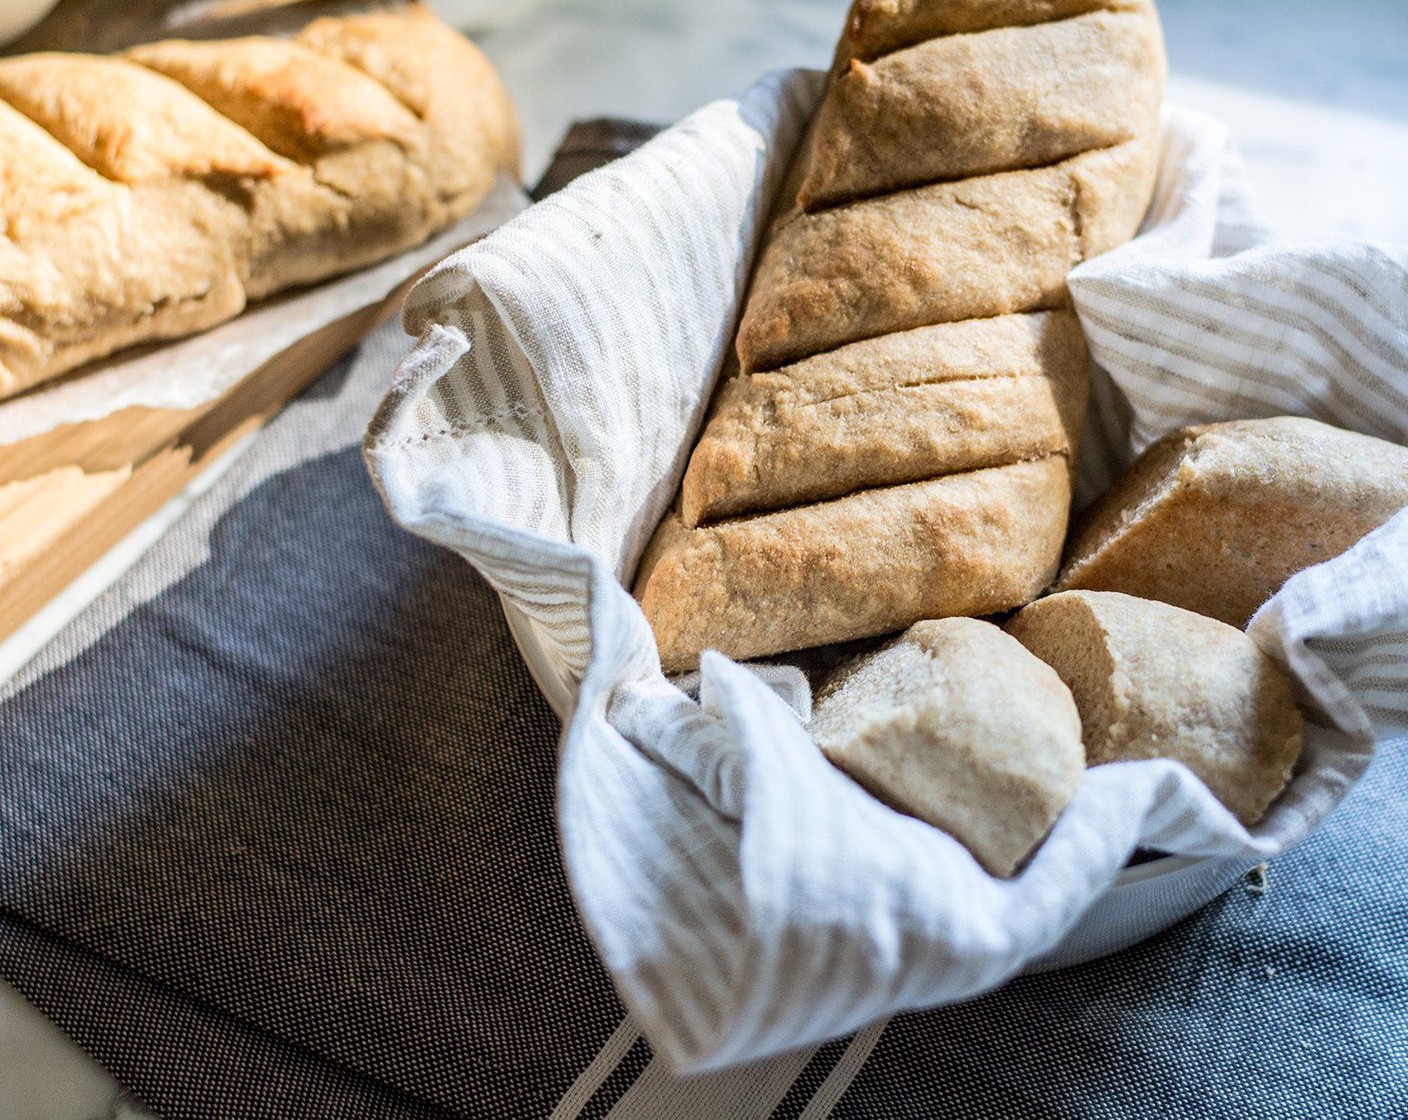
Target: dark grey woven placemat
[{"x": 290, "y": 767}]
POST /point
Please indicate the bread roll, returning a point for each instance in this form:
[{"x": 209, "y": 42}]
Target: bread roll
[
  {"x": 956, "y": 724},
  {"x": 899, "y": 408},
  {"x": 974, "y": 104},
  {"x": 1156, "y": 681},
  {"x": 151, "y": 196},
  {"x": 971, "y": 543},
  {"x": 1216, "y": 518}
]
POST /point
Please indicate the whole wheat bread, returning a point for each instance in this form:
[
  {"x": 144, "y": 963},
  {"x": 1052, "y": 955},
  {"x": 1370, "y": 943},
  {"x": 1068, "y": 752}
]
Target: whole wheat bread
[
  {"x": 1156, "y": 681},
  {"x": 956, "y": 724}
]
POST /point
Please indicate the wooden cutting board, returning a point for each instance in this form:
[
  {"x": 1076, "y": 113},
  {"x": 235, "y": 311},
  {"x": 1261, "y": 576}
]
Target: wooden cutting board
[{"x": 69, "y": 495}]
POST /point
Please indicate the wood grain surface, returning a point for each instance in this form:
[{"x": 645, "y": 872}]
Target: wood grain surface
[{"x": 69, "y": 495}]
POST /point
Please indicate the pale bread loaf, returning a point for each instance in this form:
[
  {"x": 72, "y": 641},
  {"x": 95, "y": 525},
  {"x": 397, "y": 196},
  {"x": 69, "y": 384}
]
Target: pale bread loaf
[
  {"x": 1156, "y": 681},
  {"x": 957, "y": 724},
  {"x": 151, "y": 196},
  {"x": 69, "y": 288}
]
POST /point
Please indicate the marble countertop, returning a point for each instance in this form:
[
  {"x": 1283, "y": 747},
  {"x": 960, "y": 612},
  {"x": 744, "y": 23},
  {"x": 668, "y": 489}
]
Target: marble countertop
[{"x": 1316, "y": 94}]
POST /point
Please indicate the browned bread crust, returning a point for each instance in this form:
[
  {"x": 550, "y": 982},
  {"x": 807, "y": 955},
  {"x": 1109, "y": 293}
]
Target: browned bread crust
[
  {"x": 963, "y": 544},
  {"x": 152, "y": 195},
  {"x": 970, "y": 249},
  {"x": 908, "y": 357},
  {"x": 899, "y": 408},
  {"x": 968, "y": 105},
  {"x": 876, "y": 27}
]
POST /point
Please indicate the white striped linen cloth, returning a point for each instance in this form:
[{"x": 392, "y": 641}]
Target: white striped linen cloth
[{"x": 747, "y": 898}]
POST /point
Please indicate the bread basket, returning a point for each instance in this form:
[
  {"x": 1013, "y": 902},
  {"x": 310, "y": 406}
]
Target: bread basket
[
  {"x": 1145, "y": 898},
  {"x": 746, "y": 898}
]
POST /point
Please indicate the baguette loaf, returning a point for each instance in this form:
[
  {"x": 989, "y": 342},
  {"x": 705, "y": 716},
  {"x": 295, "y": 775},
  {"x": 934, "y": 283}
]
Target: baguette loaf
[
  {"x": 894, "y": 409},
  {"x": 972, "y": 543},
  {"x": 956, "y": 724},
  {"x": 1216, "y": 518},
  {"x": 975, "y": 104},
  {"x": 908, "y": 359},
  {"x": 152, "y": 195},
  {"x": 1155, "y": 681}
]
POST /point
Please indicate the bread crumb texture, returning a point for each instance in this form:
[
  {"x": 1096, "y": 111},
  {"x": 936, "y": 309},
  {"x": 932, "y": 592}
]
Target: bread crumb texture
[
  {"x": 956, "y": 724},
  {"x": 1156, "y": 681}
]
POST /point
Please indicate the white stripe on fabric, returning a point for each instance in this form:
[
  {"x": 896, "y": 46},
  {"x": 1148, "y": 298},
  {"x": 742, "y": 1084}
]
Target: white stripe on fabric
[
  {"x": 749, "y": 1092},
  {"x": 856, "y": 1054},
  {"x": 612, "y": 1051}
]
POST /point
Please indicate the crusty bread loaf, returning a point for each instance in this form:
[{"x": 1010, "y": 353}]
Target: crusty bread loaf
[
  {"x": 150, "y": 196},
  {"x": 70, "y": 289},
  {"x": 971, "y": 543},
  {"x": 908, "y": 358},
  {"x": 1216, "y": 518},
  {"x": 1156, "y": 681},
  {"x": 899, "y": 408},
  {"x": 968, "y": 105},
  {"x": 970, "y": 249},
  {"x": 956, "y": 724},
  {"x": 876, "y": 27}
]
